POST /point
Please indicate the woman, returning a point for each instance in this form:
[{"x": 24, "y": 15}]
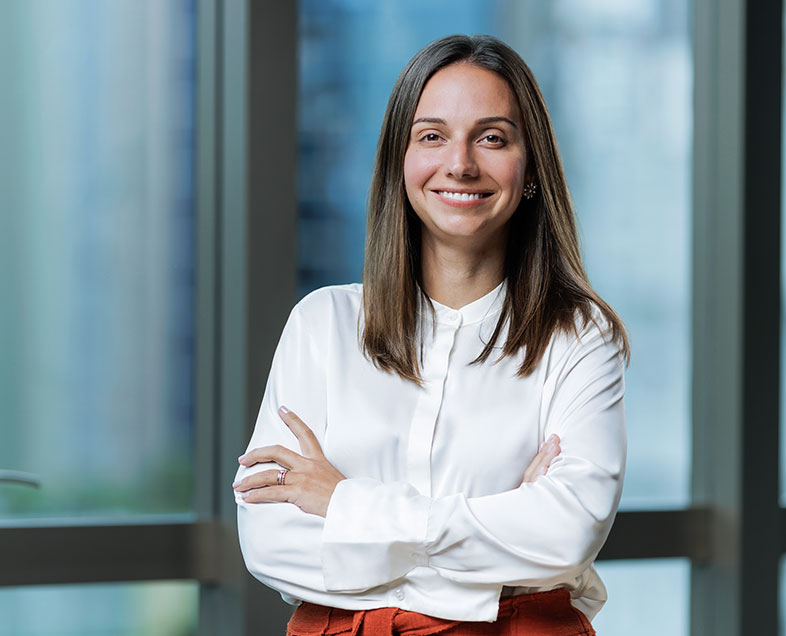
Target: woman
[{"x": 451, "y": 446}]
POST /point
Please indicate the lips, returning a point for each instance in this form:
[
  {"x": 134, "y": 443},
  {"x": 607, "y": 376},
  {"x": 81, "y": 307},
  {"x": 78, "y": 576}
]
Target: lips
[{"x": 462, "y": 196}]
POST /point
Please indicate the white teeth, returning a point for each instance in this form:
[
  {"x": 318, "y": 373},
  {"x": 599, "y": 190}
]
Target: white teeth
[{"x": 460, "y": 196}]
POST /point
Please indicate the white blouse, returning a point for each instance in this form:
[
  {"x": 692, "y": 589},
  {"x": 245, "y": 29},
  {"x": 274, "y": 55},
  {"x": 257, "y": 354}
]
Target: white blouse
[{"x": 433, "y": 516}]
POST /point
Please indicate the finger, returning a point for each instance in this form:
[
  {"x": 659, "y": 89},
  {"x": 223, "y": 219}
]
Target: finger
[
  {"x": 546, "y": 453},
  {"x": 309, "y": 444},
  {"x": 551, "y": 449},
  {"x": 542, "y": 456},
  {"x": 280, "y": 454},
  {"x": 262, "y": 495},
  {"x": 552, "y": 440},
  {"x": 258, "y": 480}
]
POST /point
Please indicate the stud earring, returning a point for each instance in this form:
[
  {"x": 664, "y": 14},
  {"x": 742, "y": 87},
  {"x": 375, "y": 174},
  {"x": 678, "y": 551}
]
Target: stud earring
[{"x": 529, "y": 190}]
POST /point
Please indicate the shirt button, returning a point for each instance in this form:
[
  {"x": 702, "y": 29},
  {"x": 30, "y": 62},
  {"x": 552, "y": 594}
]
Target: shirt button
[{"x": 400, "y": 594}]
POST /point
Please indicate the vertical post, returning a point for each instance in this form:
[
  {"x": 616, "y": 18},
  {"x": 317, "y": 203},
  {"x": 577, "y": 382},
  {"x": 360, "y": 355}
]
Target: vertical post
[
  {"x": 761, "y": 530},
  {"x": 221, "y": 347},
  {"x": 217, "y": 598},
  {"x": 247, "y": 269},
  {"x": 271, "y": 222},
  {"x": 737, "y": 47},
  {"x": 206, "y": 394},
  {"x": 717, "y": 300},
  {"x": 272, "y": 198}
]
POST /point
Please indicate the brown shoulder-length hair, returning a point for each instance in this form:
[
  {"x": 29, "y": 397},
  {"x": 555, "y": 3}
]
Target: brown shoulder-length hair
[{"x": 547, "y": 286}]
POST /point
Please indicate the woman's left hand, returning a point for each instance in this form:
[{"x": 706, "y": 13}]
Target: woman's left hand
[{"x": 308, "y": 481}]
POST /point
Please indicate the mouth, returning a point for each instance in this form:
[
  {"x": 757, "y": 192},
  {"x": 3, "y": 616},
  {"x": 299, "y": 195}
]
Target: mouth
[{"x": 462, "y": 196}]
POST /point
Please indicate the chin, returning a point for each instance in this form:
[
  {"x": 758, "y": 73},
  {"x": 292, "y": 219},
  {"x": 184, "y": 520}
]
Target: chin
[{"x": 466, "y": 232}]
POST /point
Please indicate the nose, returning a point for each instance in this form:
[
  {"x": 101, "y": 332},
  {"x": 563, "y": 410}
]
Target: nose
[{"x": 460, "y": 161}]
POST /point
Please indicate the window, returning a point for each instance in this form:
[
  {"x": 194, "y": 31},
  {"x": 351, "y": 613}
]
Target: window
[
  {"x": 98, "y": 264},
  {"x": 97, "y": 323}
]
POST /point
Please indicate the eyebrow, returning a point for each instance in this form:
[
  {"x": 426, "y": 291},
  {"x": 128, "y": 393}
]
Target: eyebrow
[{"x": 483, "y": 121}]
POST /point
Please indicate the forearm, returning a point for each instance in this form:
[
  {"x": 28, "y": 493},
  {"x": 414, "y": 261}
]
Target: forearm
[{"x": 541, "y": 531}]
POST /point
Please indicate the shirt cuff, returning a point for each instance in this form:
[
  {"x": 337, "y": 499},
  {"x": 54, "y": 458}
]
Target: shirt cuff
[{"x": 374, "y": 533}]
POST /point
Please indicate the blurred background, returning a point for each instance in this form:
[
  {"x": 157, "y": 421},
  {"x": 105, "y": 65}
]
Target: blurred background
[{"x": 176, "y": 174}]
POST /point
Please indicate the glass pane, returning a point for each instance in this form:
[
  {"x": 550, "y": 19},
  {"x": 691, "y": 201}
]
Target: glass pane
[
  {"x": 617, "y": 76},
  {"x": 153, "y": 609},
  {"x": 96, "y": 255},
  {"x": 663, "y": 608}
]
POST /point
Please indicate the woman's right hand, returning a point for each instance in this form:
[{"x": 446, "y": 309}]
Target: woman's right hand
[{"x": 540, "y": 464}]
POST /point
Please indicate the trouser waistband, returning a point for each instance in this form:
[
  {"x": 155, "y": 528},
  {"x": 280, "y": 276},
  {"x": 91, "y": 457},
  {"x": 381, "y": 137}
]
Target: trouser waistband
[{"x": 541, "y": 614}]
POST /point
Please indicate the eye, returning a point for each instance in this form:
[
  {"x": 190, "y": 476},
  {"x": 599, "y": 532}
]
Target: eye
[
  {"x": 493, "y": 140},
  {"x": 430, "y": 137}
]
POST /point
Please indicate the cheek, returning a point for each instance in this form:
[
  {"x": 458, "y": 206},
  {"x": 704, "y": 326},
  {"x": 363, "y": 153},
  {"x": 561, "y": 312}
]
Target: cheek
[
  {"x": 513, "y": 175},
  {"x": 418, "y": 169}
]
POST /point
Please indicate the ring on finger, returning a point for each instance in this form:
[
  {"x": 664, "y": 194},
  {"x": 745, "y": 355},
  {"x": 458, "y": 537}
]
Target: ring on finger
[{"x": 282, "y": 475}]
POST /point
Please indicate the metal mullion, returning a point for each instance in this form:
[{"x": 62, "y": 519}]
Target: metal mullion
[
  {"x": 219, "y": 596},
  {"x": 206, "y": 341},
  {"x": 221, "y": 603},
  {"x": 660, "y": 534},
  {"x": 271, "y": 230},
  {"x": 737, "y": 47},
  {"x": 717, "y": 298},
  {"x": 91, "y": 553},
  {"x": 253, "y": 50},
  {"x": 103, "y": 551},
  {"x": 760, "y": 514}
]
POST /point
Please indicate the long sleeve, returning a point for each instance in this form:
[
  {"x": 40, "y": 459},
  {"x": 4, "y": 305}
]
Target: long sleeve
[
  {"x": 281, "y": 543},
  {"x": 535, "y": 535}
]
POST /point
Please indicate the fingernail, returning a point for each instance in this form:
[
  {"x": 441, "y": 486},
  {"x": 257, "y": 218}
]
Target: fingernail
[
  {"x": 552, "y": 438},
  {"x": 240, "y": 459},
  {"x": 284, "y": 409},
  {"x": 235, "y": 484},
  {"x": 245, "y": 495}
]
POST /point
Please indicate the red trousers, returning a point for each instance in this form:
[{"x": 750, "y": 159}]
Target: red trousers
[{"x": 542, "y": 614}]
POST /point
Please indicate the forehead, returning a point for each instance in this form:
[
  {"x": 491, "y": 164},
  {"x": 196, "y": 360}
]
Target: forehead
[{"x": 466, "y": 91}]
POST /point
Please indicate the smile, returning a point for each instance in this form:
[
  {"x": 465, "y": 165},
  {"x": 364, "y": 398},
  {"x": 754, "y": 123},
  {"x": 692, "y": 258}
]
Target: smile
[{"x": 463, "y": 196}]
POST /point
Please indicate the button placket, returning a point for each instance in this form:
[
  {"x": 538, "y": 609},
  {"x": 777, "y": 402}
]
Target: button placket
[{"x": 424, "y": 419}]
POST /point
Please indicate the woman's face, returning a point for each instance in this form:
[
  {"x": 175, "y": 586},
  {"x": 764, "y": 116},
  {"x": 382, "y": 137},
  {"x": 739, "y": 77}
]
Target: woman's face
[{"x": 465, "y": 164}]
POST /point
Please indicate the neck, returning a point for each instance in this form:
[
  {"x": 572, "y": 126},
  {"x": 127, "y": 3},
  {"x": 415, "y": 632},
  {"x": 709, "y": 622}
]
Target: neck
[{"x": 456, "y": 276}]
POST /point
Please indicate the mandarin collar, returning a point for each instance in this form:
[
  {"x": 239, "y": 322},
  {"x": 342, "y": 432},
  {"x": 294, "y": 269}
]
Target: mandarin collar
[{"x": 477, "y": 310}]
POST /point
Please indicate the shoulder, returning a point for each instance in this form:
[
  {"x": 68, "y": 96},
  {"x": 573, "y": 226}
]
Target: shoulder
[
  {"x": 328, "y": 307},
  {"x": 592, "y": 334},
  {"x": 320, "y": 318},
  {"x": 327, "y": 300}
]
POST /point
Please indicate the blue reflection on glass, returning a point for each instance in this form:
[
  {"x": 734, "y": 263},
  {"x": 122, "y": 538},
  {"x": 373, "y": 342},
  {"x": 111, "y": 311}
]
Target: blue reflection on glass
[
  {"x": 645, "y": 597},
  {"x": 97, "y": 255}
]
